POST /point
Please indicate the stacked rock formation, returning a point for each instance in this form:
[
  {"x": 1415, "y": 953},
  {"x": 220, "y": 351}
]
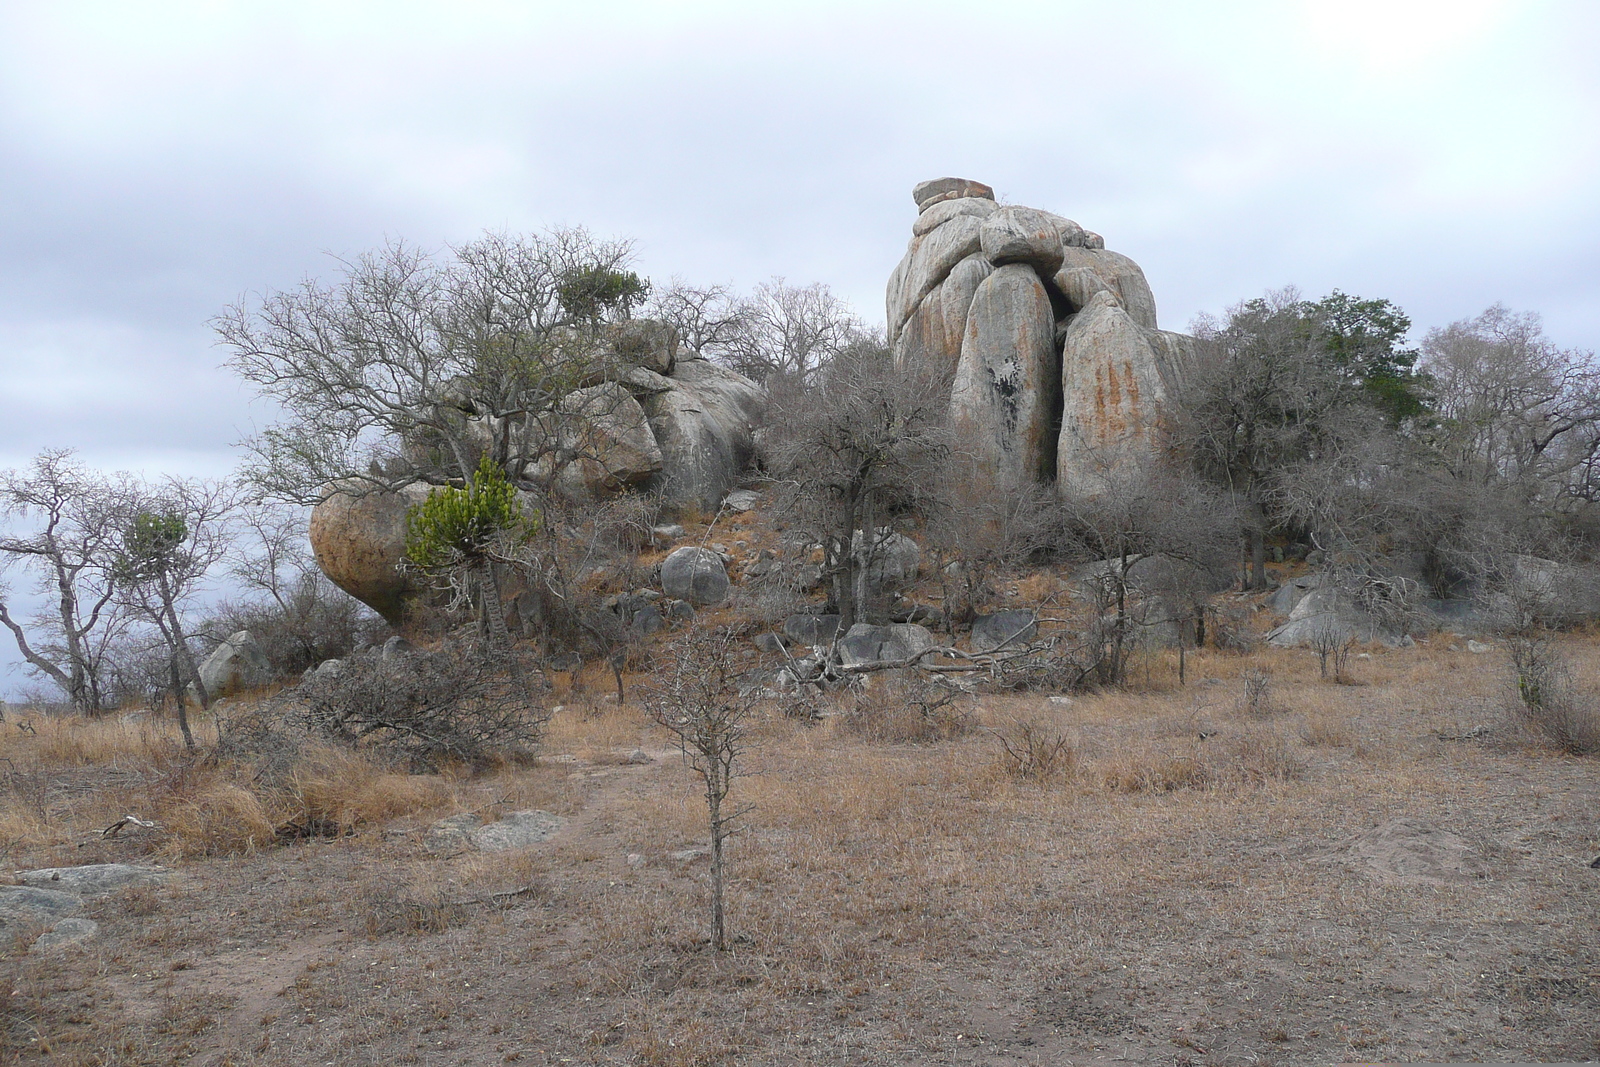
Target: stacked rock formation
[
  {"x": 1048, "y": 341},
  {"x": 677, "y": 425}
]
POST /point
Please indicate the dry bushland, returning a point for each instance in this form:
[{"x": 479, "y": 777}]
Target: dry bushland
[{"x": 1199, "y": 883}]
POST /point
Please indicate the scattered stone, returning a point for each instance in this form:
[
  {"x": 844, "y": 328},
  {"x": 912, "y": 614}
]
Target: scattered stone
[
  {"x": 93, "y": 879},
  {"x": 678, "y": 609},
  {"x": 516, "y": 829},
  {"x": 688, "y": 855},
  {"x": 741, "y": 500},
  {"x": 1478, "y": 648},
  {"x": 695, "y": 574},
  {"x": 1014, "y": 627},
  {"x": 451, "y": 834},
  {"x": 646, "y": 621},
  {"x": 25, "y": 905},
  {"x": 236, "y": 664},
  {"x": 666, "y": 533},
  {"x": 635, "y": 859},
  {"x": 396, "y": 647},
  {"x": 639, "y": 757},
  {"x": 811, "y": 629},
  {"x": 64, "y": 933},
  {"x": 769, "y": 642}
]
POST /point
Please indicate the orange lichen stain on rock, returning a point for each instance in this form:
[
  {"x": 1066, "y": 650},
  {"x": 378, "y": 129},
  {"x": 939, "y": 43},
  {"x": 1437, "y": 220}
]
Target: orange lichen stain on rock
[{"x": 1109, "y": 421}]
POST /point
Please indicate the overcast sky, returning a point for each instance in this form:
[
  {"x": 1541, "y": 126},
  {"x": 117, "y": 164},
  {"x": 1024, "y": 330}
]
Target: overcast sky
[{"x": 158, "y": 161}]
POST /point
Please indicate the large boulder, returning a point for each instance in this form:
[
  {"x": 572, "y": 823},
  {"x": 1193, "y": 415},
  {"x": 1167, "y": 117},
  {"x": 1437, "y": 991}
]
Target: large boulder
[
  {"x": 358, "y": 536},
  {"x": 811, "y": 629},
  {"x": 1022, "y": 235},
  {"x": 938, "y": 214},
  {"x": 1115, "y": 398},
  {"x": 235, "y": 665},
  {"x": 695, "y": 574},
  {"x": 928, "y": 261},
  {"x": 605, "y": 428},
  {"x": 931, "y": 192},
  {"x": 1012, "y": 628},
  {"x": 1001, "y": 400},
  {"x": 865, "y": 643},
  {"x": 1328, "y": 615},
  {"x": 893, "y": 560},
  {"x": 705, "y": 428},
  {"x": 1112, "y": 271}
]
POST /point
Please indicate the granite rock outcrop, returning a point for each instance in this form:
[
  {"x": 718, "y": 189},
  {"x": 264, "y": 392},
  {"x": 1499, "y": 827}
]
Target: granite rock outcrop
[{"x": 1056, "y": 369}]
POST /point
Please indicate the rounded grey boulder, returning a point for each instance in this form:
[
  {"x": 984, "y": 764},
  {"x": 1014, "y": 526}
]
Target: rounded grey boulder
[{"x": 695, "y": 574}]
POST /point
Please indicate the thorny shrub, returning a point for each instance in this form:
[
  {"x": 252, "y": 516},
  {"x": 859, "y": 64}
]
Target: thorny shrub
[
  {"x": 462, "y": 702},
  {"x": 907, "y": 709},
  {"x": 1034, "y": 752},
  {"x": 1547, "y": 699}
]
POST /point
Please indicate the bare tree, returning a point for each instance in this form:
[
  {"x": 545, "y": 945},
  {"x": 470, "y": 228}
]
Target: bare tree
[
  {"x": 170, "y": 536},
  {"x": 701, "y": 704},
  {"x": 414, "y": 366},
  {"x": 298, "y": 616},
  {"x": 978, "y": 528},
  {"x": 1513, "y": 408},
  {"x": 1154, "y": 546},
  {"x": 860, "y": 448},
  {"x": 68, "y": 546},
  {"x": 709, "y": 319}
]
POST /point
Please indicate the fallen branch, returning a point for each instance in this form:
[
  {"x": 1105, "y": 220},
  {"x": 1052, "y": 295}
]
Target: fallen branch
[{"x": 127, "y": 820}]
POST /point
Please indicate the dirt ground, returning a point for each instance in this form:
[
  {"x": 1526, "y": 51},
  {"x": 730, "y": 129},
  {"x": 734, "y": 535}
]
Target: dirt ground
[{"x": 1379, "y": 871}]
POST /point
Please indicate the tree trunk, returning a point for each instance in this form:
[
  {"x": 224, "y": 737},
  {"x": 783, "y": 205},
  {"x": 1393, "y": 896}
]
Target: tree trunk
[
  {"x": 493, "y": 607},
  {"x": 175, "y": 683},
  {"x": 719, "y": 937}
]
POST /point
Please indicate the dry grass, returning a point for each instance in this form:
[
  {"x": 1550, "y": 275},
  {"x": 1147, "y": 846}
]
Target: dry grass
[{"x": 1184, "y": 889}]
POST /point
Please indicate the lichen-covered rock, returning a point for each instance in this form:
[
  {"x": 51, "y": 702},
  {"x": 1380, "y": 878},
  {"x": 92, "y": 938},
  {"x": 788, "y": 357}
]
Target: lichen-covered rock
[
  {"x": 1115, "y": 398},
  {"x": 1113, "y": 271},
  {"x": 928, "y": 261},
  {"x": 1012, "y": 307}
]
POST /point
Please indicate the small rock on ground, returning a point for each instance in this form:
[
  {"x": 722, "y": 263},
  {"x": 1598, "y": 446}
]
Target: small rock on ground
[
  {"x": 687, "y": 855},
  {"x": 64, "y": 933}
]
